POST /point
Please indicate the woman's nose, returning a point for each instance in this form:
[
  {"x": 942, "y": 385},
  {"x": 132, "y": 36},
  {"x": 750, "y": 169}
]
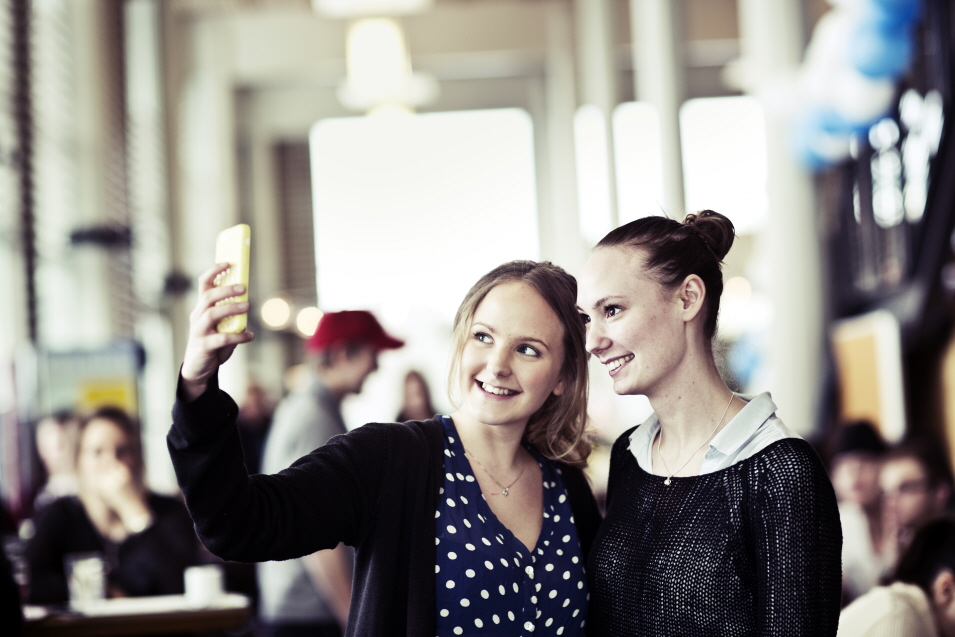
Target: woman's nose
[
  {"x": 499, "y": 363},
  {"x": 597, "y": 340}
]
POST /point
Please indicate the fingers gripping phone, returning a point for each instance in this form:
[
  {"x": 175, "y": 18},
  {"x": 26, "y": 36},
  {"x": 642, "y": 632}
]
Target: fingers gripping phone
[{"x": 232, "y": 247}]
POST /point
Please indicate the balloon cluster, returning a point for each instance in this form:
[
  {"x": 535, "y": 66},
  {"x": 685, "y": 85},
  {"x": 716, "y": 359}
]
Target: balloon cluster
[{"x": 858, "y": 51}]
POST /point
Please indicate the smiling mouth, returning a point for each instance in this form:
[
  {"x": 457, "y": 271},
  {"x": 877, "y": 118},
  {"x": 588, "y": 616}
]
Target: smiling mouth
[
  {"x": 497, "y": 391},
  {"x": 617, "y": 363}
]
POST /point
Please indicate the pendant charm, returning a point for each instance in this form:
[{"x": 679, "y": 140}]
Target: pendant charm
[
  {"x": 504, "y": 492},
  {"x": 667, "y": 482}
]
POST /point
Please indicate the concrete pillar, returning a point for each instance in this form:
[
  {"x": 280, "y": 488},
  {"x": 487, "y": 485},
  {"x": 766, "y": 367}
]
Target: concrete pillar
[
  {"x": 772, "y": 42},
  {"x": 658, "y": 64}
]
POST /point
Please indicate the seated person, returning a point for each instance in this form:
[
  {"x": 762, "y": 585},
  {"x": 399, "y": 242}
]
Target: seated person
[
  {"x": 56, "y": 446},
  {"x": 916, "y": 484},
  {"x": 921, "y": 600},
  {"x": 147, "y": 540},
  {"x": 855, "y": 451}
]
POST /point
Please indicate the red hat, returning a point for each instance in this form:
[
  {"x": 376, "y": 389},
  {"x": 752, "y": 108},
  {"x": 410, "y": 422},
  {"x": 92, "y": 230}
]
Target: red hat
[{"x": 351, "y": 326}]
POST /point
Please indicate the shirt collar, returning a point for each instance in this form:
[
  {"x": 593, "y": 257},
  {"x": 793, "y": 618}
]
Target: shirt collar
[
  {"x": 733, "y": 436},
  {"x": 743, "y": 426}
]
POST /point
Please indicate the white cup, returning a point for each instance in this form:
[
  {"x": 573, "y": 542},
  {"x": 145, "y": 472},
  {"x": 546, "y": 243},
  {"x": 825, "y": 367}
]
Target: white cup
[
  {"x": 204, "y": 585},
  {"x": 86, "y": 578}
]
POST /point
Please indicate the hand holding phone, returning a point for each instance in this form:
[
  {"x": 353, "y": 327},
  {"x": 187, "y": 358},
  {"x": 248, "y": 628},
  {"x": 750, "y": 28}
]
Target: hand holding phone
[{"x": 232, "y": 247}]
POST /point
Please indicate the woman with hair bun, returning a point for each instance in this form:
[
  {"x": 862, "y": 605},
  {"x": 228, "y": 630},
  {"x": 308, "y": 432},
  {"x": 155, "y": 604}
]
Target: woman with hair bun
[{"x": 720, "y": 520}]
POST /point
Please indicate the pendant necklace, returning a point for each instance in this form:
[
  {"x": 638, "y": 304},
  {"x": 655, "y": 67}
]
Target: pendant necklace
[
  {"x": 719, "y": 422},
  {"x": 504, "y": 490}
]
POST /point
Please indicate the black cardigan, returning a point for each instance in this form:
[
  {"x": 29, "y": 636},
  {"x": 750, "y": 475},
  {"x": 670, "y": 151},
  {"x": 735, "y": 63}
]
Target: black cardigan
[{"x": 374, "y": 488}]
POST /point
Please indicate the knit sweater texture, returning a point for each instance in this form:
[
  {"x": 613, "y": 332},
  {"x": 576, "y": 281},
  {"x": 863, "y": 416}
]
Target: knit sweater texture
[
  {"x": 374, "y": 488},
  {"x": 753, "y": 549}
]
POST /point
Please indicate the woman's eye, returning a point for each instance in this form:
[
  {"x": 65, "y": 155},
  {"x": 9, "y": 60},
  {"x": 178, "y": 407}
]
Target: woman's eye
[
  {"x": 612, "y": 310},
  {"x": 528, "y": 350},
  {"x": 584, "y": 318},
  {"x": 484, "y": 338}
]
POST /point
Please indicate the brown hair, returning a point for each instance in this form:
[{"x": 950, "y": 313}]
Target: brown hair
[
  {"x": 125, "y": 423},
  {"x": 676, "y": 250},
  {"x": 558, "y": 428}
]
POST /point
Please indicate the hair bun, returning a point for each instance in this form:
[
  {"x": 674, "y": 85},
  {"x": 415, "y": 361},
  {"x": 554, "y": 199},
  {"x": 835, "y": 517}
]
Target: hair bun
[{"x": 716, "y": 231}]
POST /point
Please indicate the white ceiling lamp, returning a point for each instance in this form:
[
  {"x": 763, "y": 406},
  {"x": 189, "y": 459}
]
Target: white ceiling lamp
[
  {"x": 379, "y": 69},
  {"x": 359, "y": 8}
]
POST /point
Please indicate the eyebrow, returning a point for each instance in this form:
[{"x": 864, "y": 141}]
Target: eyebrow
[
  {"x": 600, "y": 302},
  {"x": 520, "y": 338}
]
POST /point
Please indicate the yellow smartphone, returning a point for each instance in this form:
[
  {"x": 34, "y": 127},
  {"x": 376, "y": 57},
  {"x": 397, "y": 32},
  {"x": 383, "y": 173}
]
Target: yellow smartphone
[{"x": 232, "y": 247}]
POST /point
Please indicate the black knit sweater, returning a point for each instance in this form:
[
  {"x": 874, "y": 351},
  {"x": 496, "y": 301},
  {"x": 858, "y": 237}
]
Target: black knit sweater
[
  {"x": 753, "y": 549},
  {"x": 375, "y": 488}
]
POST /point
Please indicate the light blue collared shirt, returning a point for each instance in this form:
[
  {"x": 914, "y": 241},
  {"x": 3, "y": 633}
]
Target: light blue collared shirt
[{"x": 753, "y": 429}]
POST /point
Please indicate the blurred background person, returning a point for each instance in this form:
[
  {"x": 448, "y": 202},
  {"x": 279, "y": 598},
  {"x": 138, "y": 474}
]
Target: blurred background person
[
  {"x": 254, "y": 420},
  {"x": 311, "y": 595},
  {"x": 56, "y": 437},
  {"x": 146, "y": 539},
  {"x": 916, "y": 484},
  {"x": 920, "y": 602},
  {"x": 855, "y": 455},
  {"x": 416, "y": 404}
]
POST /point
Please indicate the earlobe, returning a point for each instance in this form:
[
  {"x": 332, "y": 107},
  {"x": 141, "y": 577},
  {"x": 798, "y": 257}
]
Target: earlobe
[{"x": 559, "y": 389}]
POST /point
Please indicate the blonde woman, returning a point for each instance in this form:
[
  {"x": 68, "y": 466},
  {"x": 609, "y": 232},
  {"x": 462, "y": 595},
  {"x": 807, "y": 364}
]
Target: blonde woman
[{"x": 475, "y": 523}]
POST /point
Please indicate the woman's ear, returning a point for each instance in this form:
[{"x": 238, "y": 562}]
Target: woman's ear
[
  {"x": 692, "y": 294},
  {"x": 943, "y": 589},
  {"x": 559, "y": 389}
]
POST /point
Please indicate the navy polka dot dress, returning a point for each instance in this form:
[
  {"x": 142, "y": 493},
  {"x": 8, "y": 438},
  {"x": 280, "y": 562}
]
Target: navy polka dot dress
[{"x": 488, "y": 583}]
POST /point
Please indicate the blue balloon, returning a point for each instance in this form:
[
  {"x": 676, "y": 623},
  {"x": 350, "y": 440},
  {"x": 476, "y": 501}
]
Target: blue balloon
[
  {"x": 878, "y": 52},
  {"x": 896, "y": 12}
]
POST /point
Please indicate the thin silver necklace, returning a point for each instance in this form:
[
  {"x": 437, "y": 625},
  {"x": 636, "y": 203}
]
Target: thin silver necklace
[
  {"x": 719, "y": 422},
  {"x": 504, "y": 490}
]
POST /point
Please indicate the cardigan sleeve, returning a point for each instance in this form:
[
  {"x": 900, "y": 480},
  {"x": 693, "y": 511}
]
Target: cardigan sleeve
[
  {"x": 797, "y": 542},
  {"x": 324, "y": 498}
]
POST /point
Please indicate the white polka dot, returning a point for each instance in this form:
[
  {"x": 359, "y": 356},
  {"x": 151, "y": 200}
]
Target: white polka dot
[
  {"x": 538, "y": 615},
  {"x": 580, "y": 585},
  {"x": 500, "y": 541},
  {"x": 566, "y": 602},
  {"x": 447, "y": 452},
  {"x": 529, "y": 570},
  {"x": 449, "y": 477},
  {"x": 452, "y": 555},
  {"x": 469, "y": 478},
  {"x": 469, "y": 546},
  {"x": 517, "y": 562},
  {"x": 556, "y": 518},
  {"x": 571, "y": 519},
  {"x": 533, "y": 599},
  {"x": 437, "y": 514},
  {"x": 437, "y": 541},
  {"x": 465, "y": 602},
  {"x": 478, "y": 623},
  {"x": 529, "y": 627},
  {"x": 441, "y": 491},
  {"x": 444, "y": 612},
  {"x": 450, "y": 502},
  {"x": 549, "y": 567},
  {"x": 537, "y": 587},
  {"x": 574, "y": 559},
  {"x": 450, "y": 583},
  {"x": 481, "y": 517},
  {"x": 459, "y": 476},
  {"x": 566, "y": 574},
  {"x": 437, "y": 569},
  {"x": 549, "y": 622},
  {"x": 469, "y": 572},
  {"x": 562, "y": 499},
  {"x": 458, "y": 630},
  {"x": 451, "y": 529},
  {"x": 504, "y": 562},
  {"x": 464, "y": 500},
  {"x": 497, "y": 620},
  {"x": 467, "y": 524},
  {"x": 553, "y": 594},
  {"x": 510, "y": 615},
  {"x": 451, "y": 439},
  {"x": 489, "y": 566},
  {"x": 486, "y": 541},
  {"x": 566, "y": 538},
  {"x": 516, "y": 589},
  {"x": 560, "y": 631},
  {"x": 501, "y": 589},
  {"x": 485, "y": 594},
  {"x": 576, "y": 612},
  {"x": 560, "y": 551}
]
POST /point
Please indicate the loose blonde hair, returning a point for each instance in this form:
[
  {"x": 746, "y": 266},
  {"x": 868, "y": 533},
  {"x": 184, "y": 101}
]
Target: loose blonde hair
[{"x": 558, "y": 430}]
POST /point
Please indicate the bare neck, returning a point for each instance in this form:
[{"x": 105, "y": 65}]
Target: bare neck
[
  {"x": 690, "y": 402},
  {"x": 494, "y": 446}
]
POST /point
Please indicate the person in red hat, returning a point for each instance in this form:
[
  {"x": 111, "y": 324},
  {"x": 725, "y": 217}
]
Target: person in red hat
[{"x": 312, "y": 593}]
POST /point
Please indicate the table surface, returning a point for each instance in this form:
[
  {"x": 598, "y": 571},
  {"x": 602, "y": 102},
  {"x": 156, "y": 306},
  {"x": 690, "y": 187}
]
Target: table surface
[{"x": 136, "y": 616}]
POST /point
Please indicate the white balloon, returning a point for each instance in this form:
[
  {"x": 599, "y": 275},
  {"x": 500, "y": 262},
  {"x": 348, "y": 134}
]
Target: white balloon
[{"x": 860, "y": 99}]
